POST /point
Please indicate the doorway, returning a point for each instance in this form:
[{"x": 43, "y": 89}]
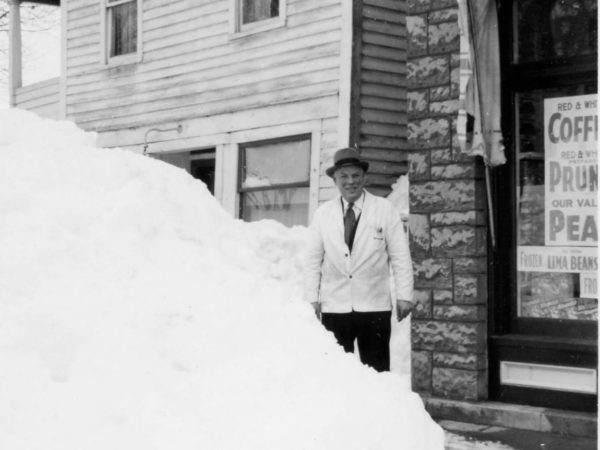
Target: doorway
[
  {"x": 202, "y": 167},
  {"x": 198, "y": 163}
]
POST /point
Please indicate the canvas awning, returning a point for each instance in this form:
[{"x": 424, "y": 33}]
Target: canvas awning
[
  {"x": 478, "y": 124},
  {"x": 479, "y": 84}
]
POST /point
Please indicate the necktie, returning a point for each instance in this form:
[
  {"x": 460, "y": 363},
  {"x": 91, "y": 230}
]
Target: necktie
[{"x": 349, "y": 226}]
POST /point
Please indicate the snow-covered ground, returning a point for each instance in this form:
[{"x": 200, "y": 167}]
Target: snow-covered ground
[
  {"x": 457, "y": 442},
  {"x": 136, "y": 314}
]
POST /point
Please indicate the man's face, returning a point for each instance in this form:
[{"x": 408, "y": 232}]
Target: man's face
[{"x": 350, "y": 181}]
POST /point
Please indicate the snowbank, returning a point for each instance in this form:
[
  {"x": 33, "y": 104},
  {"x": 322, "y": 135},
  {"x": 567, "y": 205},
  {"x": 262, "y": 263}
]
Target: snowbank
[{"x": 136, "y": 314}]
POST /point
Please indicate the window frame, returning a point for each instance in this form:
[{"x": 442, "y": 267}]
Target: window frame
[
  {"x": 239, "y": 30},
  {"x": 106, "y": 33},
  {"x": 297, "y": 184}
]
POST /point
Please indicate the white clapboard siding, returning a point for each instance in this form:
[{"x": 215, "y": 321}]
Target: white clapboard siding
[
  {"x": 219, "y": 56},
  {"x": 210, "y": 41},
  {"x": 192, "y": 68},
  {"x": 211, "y": 81},
  {"x": 41, "y": 98}
]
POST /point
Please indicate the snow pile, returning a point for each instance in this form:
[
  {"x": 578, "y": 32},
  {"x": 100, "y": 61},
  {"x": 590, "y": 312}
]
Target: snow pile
[{"x": 136, "y": 314}]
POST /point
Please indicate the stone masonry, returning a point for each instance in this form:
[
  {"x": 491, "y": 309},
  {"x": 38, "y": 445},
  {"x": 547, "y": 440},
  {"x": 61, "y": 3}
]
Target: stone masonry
[{"x": 448, "y": 221}]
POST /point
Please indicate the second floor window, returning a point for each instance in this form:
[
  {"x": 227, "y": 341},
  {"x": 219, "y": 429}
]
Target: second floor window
[
  {"x": 122, "y": 27},
  {"x": 257, "y": 10}
]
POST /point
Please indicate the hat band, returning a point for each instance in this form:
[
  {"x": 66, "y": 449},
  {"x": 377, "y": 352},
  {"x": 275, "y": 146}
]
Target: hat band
[{"x": 346, "y": 161}]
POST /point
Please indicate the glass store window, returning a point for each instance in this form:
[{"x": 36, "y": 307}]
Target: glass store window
[
  {"x": 545, "y": 297},
  {"x": 557, "y": 238},
  {"x": 274, "y": 180},
  {"x": 548, "y": 30}
]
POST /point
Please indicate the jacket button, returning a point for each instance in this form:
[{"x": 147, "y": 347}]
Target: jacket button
[
  {"x": 346, "y": 255},
  {"x": 350, "y": 276}
]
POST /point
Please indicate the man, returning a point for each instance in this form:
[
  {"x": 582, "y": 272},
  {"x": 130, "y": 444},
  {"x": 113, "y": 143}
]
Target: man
[{"x": 354, "y": 240}]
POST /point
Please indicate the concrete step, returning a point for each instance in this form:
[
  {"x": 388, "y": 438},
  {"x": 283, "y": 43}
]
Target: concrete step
[
  {"x": 468, "y": 436},
  {"x": 521, "y": 417}
]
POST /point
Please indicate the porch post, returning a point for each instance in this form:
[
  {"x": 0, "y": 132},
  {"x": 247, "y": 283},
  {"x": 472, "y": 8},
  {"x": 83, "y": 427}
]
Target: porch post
[{"x": 15, "y": 78}]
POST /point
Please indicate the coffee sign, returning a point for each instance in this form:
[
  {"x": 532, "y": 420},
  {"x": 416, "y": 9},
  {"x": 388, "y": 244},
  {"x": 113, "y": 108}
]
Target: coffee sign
[{"x": 571, "y": 171}]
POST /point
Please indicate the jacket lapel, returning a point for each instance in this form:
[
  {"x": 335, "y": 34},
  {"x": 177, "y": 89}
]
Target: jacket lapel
[
  {"x": 362, "y": 223},
  {"x": 338, "y": 219}
]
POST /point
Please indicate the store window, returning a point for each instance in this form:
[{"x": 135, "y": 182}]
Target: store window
[
  {"x": 555, "y": 29},
  {"x": 557, "y": 136},
  {"x": 544, "y": 302},
  {"x": 274, "y": 180}
]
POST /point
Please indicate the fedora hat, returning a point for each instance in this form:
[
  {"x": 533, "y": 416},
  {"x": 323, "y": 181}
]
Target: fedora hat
[{"x": 346, "y": 157}]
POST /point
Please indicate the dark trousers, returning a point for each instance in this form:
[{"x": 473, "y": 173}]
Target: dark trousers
[{"x": 371, "y": 330}]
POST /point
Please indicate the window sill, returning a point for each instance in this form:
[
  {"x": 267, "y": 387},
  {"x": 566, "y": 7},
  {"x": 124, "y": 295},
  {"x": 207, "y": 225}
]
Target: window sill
[
  {"x": 258, "y": 27},
  {"x": 122, "y": 60}
]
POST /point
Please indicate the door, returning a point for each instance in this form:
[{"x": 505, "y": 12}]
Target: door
[
  {"x": 544, "y": 301},
  {"x": 202, "y": 167}
]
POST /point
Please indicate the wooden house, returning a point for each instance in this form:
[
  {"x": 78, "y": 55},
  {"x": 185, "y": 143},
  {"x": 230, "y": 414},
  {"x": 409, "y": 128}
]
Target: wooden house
[{"x": 252, "y": 96}]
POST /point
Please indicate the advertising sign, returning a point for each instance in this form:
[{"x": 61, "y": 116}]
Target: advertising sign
[
  {"x": 571, "y": 171},
  {"x": 580, "y": 260},
  {"x": 557, "y": 259},
  {"x": 589, "y": 285}
]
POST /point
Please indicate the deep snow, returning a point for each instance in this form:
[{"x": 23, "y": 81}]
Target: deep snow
[{"x": 136, "y": 314}]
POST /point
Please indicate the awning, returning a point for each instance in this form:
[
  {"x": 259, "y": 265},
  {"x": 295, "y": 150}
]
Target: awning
[{"x": 478, "y": 123}]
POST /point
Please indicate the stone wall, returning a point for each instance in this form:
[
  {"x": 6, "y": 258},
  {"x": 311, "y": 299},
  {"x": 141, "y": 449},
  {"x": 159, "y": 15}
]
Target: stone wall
[{"x": 448, "y": 222}]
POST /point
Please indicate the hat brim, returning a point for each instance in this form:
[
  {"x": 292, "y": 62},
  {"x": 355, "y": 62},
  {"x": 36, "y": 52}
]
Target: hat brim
[{"x": 362, "y": 164}]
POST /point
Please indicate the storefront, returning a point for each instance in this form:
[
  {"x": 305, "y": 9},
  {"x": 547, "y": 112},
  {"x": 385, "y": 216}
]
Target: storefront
[
  {"x": 543, "y": 332},
  {"x": 503, "y": 200}
]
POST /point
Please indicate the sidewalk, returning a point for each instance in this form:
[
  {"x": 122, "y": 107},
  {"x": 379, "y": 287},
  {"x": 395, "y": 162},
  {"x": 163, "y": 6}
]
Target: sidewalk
[
  {"x": 468, "y": 436},
  {"x": 479, "y": 425}
]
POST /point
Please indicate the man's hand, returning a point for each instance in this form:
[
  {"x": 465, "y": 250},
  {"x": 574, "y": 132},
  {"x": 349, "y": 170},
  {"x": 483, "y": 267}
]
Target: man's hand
[
  {"x": 403, "y": 309},
  {"x": 317, "y": 307}
]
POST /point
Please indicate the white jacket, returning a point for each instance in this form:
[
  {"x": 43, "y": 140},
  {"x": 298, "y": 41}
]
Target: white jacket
[{"x": 342, "y": 281}]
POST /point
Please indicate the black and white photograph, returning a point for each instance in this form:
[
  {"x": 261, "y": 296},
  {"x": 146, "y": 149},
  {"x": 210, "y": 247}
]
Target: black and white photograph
[{"x": 299, "y": 225}]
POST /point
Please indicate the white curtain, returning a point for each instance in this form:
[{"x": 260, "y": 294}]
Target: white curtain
[
  {"x": 480, "y": 81},
  {"x": 124, "y": 28},
  {"x": 255, "y": 10}
]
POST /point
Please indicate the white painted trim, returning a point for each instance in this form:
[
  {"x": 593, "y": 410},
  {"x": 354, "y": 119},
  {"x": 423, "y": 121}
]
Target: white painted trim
[
  {"x": 219, "y": 154},
  {"x": 345, "y": 98},
  {"x": 543, "y": 376},
  {"x": 315, "y": 178},
  {"x": 103, "y": 34},
  {"x": 276, "y": 132},
  {"x": 229, "y": 195},
  {"x": 62, "y": 85},
  {"x": 15, "y": 57},
  {"x": 234, "y": 17},
  {"x": 140, "y": 30}
]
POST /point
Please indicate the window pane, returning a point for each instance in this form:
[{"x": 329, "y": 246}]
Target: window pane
[
  {"x": 123, "y": 21},
  {"x": 548, "y": 29},
  {"x": 555, "y": 280},
  {"x": 288, "y": 206},
  {"x": 277, "y": 163},
  {"x": 255, "y": 10}
]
